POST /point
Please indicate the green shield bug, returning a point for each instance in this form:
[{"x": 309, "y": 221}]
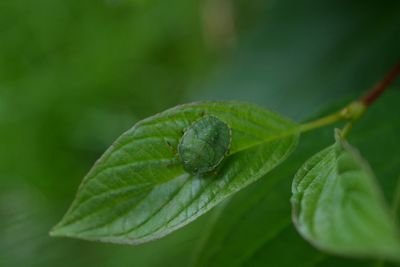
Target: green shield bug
[{"x": 204, "y": 145}]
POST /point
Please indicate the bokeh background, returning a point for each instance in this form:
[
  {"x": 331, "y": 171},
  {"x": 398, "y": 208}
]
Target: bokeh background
[{"x": 75, "y": 74}]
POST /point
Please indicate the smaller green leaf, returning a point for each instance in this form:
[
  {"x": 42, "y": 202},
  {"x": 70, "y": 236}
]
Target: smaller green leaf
[{"x": 338, "y": 207}]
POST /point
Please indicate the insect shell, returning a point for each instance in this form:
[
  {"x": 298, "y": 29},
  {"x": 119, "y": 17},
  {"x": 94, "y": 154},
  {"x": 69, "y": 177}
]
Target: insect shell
[{"x": 204, "y": 145}]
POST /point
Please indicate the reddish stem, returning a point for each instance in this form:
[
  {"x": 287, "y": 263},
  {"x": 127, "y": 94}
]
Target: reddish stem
[{"x": 376, "y": 91}]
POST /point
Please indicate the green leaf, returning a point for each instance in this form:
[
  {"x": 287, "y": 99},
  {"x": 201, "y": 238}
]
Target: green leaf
[
  {"x": 138, "y": 190},
  {"x": 339, "y": 208}
]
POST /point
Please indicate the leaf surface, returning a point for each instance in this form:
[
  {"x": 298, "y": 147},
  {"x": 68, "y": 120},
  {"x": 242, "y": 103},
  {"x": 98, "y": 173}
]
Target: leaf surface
[
  {"x": 138, "y": 190},
  {"x": 339, "y": 208}
]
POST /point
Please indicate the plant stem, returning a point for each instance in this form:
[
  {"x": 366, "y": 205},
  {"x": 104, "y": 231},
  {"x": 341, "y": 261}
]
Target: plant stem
[
  {"x": 356, "y": 109},
  {"x": 332, "y": 118},
  {"x": 350, "y": 112},
  {"x": 378, "y": 89},
  {"x": 347, "y": 128}
]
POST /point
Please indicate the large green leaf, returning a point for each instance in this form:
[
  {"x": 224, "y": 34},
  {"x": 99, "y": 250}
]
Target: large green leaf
[
  {"x": 138, "y": 190},
  {"x": 338, "y": 207}
]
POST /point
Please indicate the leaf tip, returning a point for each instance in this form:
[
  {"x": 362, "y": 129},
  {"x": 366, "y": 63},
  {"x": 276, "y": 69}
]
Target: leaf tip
[
  {"x": 56, "y": 231},
  {"x": 60, "y": 230}
]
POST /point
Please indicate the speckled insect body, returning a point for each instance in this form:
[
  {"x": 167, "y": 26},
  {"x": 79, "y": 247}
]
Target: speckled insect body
[{"x": 204, "y": 145}]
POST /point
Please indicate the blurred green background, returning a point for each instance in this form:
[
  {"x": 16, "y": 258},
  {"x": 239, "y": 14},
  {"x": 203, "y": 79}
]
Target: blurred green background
[{"x": 75, "y": 74}]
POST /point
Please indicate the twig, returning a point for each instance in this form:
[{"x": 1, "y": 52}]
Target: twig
[{"x": 376, "y": 91}]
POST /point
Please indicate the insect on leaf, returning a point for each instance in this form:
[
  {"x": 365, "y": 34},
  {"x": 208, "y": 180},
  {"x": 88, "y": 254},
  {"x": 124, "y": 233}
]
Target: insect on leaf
[
  {"x": 204, "y": 145},
  {"x": 139, "y": 191},
  {"x": 339, "y": 208}
]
